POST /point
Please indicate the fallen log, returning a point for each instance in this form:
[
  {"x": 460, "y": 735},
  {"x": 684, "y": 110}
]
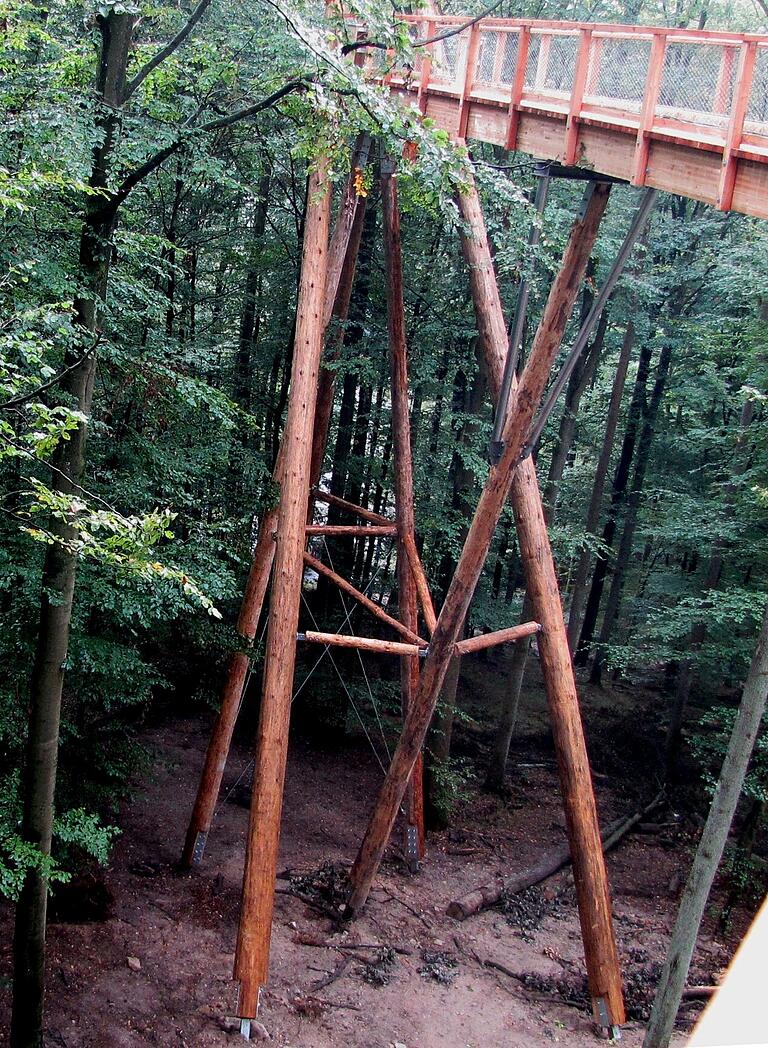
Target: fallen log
[
  {"x": 488, "y": 895},
  {"x": 692, "y": 993}
]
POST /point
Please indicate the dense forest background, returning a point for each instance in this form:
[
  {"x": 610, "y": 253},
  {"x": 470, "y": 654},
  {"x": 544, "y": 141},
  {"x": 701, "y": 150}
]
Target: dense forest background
[{"x": 654, "y": 470}]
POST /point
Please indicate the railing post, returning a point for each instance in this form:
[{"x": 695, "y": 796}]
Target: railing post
[
  {"x": 424, "y": 74},
  {"x": 470, "y": 62},
  {"x": 577, "y": 97},
  {"x": 742, "y": 89},
  {"x": 518, "y": 86},
  {"x": 648, "y": 108}
]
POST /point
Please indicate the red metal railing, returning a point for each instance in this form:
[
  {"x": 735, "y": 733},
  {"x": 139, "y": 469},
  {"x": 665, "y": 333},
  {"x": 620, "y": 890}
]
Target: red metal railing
[{"x": 704, "y": 89}]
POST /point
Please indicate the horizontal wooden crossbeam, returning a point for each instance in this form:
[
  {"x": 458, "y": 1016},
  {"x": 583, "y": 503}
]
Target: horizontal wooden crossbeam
[
  {"x": 341, "y": 640},
  {"x": 489, "y": 640},
  {"x": 359, "y": 511},
  {"x": 353, "y": 530},
  {"x": 375, "y": 609}
]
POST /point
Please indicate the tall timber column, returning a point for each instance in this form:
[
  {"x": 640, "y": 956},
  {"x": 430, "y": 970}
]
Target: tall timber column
[
  {"x": 519, "y": 417},
  {"x": 407, "y": 599},
  {"x": 252, "y": 956},
  {"x": 342, "y": 261},
  {"x": 589, "y": 871}
]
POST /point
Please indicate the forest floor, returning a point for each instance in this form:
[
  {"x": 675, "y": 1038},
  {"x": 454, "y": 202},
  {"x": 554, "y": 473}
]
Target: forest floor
[{"x": 420, "y": 979}]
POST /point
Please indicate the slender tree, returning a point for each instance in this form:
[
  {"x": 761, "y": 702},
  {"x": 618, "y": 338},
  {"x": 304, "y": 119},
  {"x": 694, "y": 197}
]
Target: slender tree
[{"x": 710, "y": 848}]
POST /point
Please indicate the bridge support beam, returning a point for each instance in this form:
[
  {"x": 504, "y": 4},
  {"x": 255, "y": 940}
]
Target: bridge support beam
[
  {"x": 342, "y": 261},
  {"x": 252, "y": 956},
  {"x": 407, "y": 599}
]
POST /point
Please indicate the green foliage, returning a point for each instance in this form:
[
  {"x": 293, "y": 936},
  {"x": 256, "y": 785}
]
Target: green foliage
[
  {"x": 452, "y": 780},
  {"x": 710, "y": 742}
]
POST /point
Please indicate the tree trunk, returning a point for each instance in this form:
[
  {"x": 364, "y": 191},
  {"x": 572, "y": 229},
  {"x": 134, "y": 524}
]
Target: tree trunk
[
  {"x": 710, "y": 849},
  {"x": 686, "y": 673},
  {"x": 580, "y": 378},
  {"x": 250, "y": 314},
  {"x": 59, "y": 570},
  {"x": 579, "y": 593},
  {"x": 468, "y": 402},
  {"x": 633, "y": 507},
  {"x": 699, "y": 629},
  {"x": 437, "y": 806},
  {"x": 497, "y": 765},
  {"x": 620, "y": 481}
]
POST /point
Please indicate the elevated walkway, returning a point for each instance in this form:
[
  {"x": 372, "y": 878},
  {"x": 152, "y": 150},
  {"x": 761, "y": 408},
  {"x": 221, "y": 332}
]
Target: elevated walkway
[{"x": 680, "y": 110}]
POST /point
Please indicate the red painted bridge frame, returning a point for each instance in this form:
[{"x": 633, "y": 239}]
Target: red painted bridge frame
[{"x": 680, "y": 110}]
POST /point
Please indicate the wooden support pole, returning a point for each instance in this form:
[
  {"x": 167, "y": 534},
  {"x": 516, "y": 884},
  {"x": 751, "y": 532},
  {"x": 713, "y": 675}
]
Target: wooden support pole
[
  {"x": 403, "y": 479},
  {"x": 367, "y": 603},
  {"x": 252, "y": 956},
  {"x": 576, "y": 782},
  {"x": 519, "y": 417},
  {"x": 359, "y": 511},
  {"x": 346, "y": 241},
  {"x": 344, "y": 640},
  {"x": 355, "y": 530},
  {"x": 422, "y": 586},
  {"x": 343, "y": 296},
  {"x": 490, "y": 640}
]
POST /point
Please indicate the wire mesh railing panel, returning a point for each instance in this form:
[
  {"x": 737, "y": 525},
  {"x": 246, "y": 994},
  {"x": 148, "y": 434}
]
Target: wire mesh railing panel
[
  {"x": 490, "y": 45},
  {"x": 618, "y": 72},
  {"x": 496, "y": 59},
  {"x": 697, "y": 83},
  {"x": 510, "y": 44},
  {"x": 448, "y": 58},
  {"x": 551, "y": 63},
  {"x": 561, "y": 68},
  {"x": 532, "y": 63},
  {"x": 757, "y": 110}
]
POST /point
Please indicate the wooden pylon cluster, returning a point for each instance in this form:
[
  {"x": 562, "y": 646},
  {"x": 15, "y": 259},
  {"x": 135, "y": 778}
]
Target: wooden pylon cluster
[{"x": 325, "y": 288}]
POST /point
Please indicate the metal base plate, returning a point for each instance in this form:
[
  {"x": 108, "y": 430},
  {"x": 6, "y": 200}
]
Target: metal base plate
[
  {"x": 412, "y": 848},
  {"x": 199, "y": 848}
]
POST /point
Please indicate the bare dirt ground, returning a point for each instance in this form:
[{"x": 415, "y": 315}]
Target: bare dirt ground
[{"x": 404, "y": 974}]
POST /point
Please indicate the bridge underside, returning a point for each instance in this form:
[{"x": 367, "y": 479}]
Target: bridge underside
[{"x": 690, "y": 169}]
